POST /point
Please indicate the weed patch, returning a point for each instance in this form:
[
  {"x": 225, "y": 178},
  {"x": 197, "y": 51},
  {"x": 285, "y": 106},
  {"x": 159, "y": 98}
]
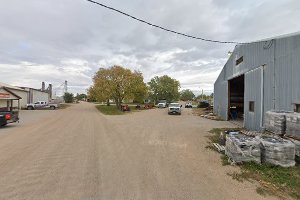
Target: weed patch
[
  {"x": 225, "y": 160},
  {"x": 64, "y": 106},
  {"x": 109, "y": 110},
  {"x": 214, "y": 137},
  {"x": 261, "y": 191}
]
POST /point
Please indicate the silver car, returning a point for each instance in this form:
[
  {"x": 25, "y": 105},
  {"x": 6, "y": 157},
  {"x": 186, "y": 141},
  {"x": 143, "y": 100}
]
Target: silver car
[{"x": 174, "y": 108}]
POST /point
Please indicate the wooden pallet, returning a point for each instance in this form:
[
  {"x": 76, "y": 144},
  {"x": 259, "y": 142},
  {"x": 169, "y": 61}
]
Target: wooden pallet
[
  {"x": 251, "y": 133},
  {"x": 220, "y": 148},
  {"x": 291, "y": 137}
]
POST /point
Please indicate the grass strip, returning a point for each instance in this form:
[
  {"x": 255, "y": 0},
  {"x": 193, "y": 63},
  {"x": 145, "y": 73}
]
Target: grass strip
[{"x": 109, "y": 110}]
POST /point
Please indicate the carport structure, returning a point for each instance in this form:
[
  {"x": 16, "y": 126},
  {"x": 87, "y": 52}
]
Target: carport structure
[{"x": 8, "y": 99}]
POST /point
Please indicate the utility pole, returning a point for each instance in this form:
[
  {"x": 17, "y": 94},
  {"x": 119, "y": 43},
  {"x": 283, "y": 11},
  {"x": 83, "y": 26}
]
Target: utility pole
[
  {"x": 66, "y": 86},
  {"x": 201, "y": 93}
]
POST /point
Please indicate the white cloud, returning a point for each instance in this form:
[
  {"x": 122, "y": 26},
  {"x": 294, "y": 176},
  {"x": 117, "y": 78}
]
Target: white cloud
[{"x": 32, "y": 74}]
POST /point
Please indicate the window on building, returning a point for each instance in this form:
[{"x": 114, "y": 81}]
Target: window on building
[
  {"x": 239, "y": 61},
  {"x": 297, "y": 108},
  {"x": 251, "y": 106}
]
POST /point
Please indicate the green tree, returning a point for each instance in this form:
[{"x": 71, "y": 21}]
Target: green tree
[
  {"x": 164, "y": 87},
  {"x": 205, "y": 97},
  {"x": 202, "y": 97},
  {"x": 100, "y": 90},
  {"x": 186, "y": 95},
  {"x": 80, "y": 97},
  {"x": 91, "y": 96},
  {"x": 68, "y": 97},
  {"x": 119, "y": 84}
]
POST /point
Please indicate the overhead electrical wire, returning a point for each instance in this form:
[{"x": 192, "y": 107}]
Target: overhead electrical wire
[{"x": 162, "y": 28}]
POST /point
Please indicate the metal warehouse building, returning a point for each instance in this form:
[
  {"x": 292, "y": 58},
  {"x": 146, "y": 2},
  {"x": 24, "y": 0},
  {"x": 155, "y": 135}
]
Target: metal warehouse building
[
  {"x": 259, "y": 77},
  {"x": 28, "y": 95}
]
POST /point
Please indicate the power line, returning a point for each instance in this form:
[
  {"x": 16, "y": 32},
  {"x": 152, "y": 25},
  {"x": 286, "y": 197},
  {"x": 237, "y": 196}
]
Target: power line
[{"x": 160, "y": 27}]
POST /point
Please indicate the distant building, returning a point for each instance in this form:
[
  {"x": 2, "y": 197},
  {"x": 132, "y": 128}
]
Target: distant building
[
  {"x": 258, "y": 77},
  {"x": 18, "y": 91},
  {"x": 8, "y": 99},
  {"x": 43, "y": 94},
  {"x": 30, "y": 95}
]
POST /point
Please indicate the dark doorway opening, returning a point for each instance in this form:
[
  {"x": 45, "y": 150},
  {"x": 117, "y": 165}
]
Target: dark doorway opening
[{"x": 236, "y": 93}]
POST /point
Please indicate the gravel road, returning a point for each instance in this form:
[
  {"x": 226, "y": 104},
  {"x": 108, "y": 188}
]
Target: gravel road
[{"x": 80, "y": 154}]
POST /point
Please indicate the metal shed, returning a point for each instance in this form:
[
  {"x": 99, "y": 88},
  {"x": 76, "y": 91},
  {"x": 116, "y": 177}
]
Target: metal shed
[{"x": 258, "y": 77}]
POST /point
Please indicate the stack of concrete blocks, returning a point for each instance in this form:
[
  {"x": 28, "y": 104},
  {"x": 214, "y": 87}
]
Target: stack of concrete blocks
[
  {"x": 275, "y": 122},
  {"x": 278, "y": 151},
  {"x": 297, "y": 149},
  {"x": 242, "y": 148},
  {"x": 293, "y": 125}
]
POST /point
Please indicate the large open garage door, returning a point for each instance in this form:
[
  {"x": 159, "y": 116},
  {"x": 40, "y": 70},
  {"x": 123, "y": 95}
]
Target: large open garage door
[{"x": 236, "y": 92}]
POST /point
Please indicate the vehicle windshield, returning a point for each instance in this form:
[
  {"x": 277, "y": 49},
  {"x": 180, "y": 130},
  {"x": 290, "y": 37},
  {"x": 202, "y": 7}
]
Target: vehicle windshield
[
  {"x": 174, "y": 105},
  {"x": 162, "y": 101}
]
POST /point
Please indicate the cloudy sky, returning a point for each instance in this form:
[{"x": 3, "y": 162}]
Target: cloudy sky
[{"x": 57, "y": 40}]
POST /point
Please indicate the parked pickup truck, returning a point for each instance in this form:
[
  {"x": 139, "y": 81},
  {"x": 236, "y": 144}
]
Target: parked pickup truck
[
  {"x": 7, "y": 117},
  {"x": 188, "y": 105},
  {"x": 41, "y": 105},
  {"x": 162, "y": 104},
  {"x": 174, "y": 108}
]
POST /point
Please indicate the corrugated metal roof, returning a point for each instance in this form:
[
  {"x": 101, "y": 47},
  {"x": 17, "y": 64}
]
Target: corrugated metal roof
[
  {"x": 278, "y": 37},
  {"x": 10, "y": 86}
]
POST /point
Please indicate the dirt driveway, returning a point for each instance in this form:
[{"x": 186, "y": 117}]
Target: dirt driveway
[
  {"x": 29, "y": 117},
  {"x": 80, "y": 154}
]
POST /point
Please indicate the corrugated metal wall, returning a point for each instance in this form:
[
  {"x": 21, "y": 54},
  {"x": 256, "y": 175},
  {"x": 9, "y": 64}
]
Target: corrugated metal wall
[
  {"x": 281, "y": 60},
  {"x": 221, "y": 99},
  {"x": 269, "y": 87},
  {"x": 254, "y": 55},
  {"x": 253, "y": 89},
  {"x": 287, "y": 73},
  {"x": 23, "y": 95},
  {"x": 40, "y": 96}
]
